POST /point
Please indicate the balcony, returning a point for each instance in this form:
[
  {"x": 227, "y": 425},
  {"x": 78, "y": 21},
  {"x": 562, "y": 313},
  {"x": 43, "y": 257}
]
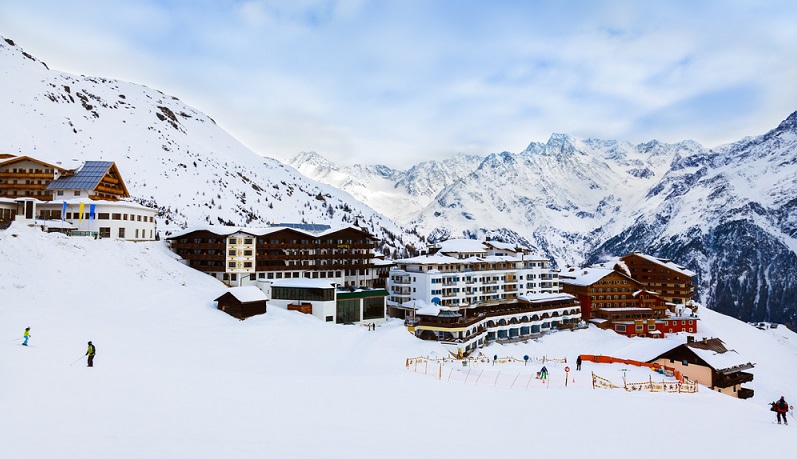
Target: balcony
[{"x": 745, "y": 393}]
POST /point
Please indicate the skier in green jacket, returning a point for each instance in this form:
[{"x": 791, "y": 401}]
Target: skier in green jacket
[{"x": 91, "y": 352}]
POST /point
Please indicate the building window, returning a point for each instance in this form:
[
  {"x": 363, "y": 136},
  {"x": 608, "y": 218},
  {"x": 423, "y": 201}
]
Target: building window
[
  {"x": 231, "y": 264},
  {"x": 620, "y": 328},
  {"x": 116, "y": 216},
  {"x": 247, "y": 264},
  {"x": 77, "y": 193},
  {"x": 136, "y": 233},
  {"x": 233, "y": 240},
  {"x": 121, "y": 232},
  {"x": 105, "y": 231},
  {"x": 231, "y": 253},
  {"x": 104, "y": 216}
]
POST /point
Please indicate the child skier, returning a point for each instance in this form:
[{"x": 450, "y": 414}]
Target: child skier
[{"x": 26, "y": 335}]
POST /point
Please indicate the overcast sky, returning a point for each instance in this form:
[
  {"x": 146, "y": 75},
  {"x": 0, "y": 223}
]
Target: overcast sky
[{"x": 397, "y": 82}]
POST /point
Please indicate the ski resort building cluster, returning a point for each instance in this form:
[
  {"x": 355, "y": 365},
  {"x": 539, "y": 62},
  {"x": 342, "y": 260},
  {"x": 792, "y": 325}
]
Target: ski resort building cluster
[{"x": 333, "y": 274}]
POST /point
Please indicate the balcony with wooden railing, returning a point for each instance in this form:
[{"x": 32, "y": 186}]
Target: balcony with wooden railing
[{"x": 27, "y": 175}]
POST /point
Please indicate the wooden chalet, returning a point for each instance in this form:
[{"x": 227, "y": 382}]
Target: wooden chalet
[
  {"x": 23, "y": 176},
  {"x": 710, "y": 363},
  {"x": 95, "y": 180},
  {"x": 26, "y": 177},
  {"x": 665, "y": 277},
  {"x": 612, "y": 299},
  {"x": 243, "y": 302}
]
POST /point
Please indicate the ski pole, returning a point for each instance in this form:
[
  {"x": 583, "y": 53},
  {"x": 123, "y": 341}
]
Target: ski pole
[
  {"x": 16, "y": 339},
  {"x": 76, "y": 361}
]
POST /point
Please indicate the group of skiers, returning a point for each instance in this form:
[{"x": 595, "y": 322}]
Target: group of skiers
[{"x": 90, "y": 352}]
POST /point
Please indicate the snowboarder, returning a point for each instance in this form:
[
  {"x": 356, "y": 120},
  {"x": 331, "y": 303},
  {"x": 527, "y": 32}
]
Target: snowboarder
[
  {"x": 578, "y": 363},
  {"x": 544, "y": 373},
  {"x": 91, "y": 352},
  {"x": 781, "y": 407},
  {"x": 26, "y": 335}
]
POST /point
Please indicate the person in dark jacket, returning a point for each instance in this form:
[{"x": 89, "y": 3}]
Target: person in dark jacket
[
  {"x": 91, "y": 352},
  {"x": 578, "y": 363},
  {"x": 781, "y": 407}
]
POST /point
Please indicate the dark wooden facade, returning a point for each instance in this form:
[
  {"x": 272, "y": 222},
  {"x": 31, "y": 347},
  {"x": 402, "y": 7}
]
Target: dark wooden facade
[
  {"x": 674, "y": 285},
  {"x": 26, "y": 177},
  {"x": 614, "y": 290},
  {"x": 346, "y": 252},
  {"x": 240, "y": 310}
]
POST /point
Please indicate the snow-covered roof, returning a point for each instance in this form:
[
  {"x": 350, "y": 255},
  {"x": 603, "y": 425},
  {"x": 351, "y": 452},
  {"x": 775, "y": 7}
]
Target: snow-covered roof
[
  {"x": 721, "y": 361},
  {"x": 666, "y": 263},
  {"x": 584, "y": 276},
  {"x": 430, "y": 260},
  {"x": 462, "y": 245},
  {"x": 507, "y": 246},
  {"x": 258, "y": 231},
  {"x": 428, "y": 310},
  {"x": 540, "y": 297},
  {"x": 248, "y": 294},
  {"x": 303, "y": 282}
]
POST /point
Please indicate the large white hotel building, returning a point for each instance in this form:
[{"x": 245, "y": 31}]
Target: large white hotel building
[{"x": 463, "y": 272}]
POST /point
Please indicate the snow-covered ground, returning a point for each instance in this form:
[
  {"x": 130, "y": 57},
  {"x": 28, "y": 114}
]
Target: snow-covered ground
[{"x": 175, "y": 378}]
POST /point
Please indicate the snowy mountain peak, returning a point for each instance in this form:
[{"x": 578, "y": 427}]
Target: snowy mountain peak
[{"x": 172, "y": 156}]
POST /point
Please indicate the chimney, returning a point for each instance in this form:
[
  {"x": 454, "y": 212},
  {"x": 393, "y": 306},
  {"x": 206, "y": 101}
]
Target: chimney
[
  {"x": 690, "y": 339},
  {"x": 705, "y": 340}
]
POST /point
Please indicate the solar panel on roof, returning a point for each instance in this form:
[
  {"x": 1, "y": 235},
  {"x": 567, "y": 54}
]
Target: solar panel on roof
[{"x": 86, "y": 178}]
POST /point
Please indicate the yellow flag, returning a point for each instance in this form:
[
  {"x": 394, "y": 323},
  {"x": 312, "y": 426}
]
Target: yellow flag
[{"x": 81, "y": 211}]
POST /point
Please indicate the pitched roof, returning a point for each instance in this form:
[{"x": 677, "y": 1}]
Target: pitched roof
[
  {"x": 666, "y": 263},
  {"x": 10, "y": 159},
  {"x": 87, "y": 178},
  {"x": 247, "y": 294}
]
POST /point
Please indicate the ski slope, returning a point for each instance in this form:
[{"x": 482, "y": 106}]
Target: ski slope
[{"x": 175, "y": 378}]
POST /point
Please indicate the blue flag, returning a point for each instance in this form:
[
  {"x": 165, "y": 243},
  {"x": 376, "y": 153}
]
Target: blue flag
[
  {"x": 63, "y": 212},
  {"x": 91, "y": 211}
]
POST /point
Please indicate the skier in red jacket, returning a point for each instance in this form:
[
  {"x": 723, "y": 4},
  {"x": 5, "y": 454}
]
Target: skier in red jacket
[{"x": 781, "y": 407}]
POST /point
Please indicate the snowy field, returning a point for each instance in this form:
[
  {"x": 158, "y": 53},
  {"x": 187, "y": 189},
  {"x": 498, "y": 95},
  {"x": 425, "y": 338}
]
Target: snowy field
[{"x": 175, "y": 378}]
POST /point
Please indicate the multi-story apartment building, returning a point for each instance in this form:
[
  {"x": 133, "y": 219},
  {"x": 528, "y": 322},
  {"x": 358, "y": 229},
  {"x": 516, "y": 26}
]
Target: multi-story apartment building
[
  {"x": 259, "y": 256},
  {"x": 670, "y": 280},
  {"x": 462, "y": 272}
]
